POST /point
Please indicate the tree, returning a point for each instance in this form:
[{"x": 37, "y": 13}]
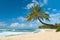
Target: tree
[{"x": 38, "y": 13}]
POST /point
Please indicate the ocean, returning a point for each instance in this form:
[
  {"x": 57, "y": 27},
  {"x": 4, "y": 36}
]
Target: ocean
[{"x": 12, "y": 32}]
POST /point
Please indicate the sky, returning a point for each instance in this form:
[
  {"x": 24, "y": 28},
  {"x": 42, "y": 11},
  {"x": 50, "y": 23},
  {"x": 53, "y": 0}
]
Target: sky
[{"x": 13, "y": 13}]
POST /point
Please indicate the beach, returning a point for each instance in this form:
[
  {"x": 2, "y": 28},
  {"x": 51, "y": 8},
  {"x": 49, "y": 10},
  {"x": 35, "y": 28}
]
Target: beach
[{"x": 50, "y": 34}]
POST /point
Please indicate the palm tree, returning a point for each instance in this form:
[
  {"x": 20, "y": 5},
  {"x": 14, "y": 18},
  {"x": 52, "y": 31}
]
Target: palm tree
[{"x": 38, "y": 13}]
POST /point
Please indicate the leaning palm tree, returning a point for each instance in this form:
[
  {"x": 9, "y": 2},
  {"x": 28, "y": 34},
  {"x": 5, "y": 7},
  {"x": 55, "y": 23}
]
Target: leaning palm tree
[{"x": 38, "y": 13}]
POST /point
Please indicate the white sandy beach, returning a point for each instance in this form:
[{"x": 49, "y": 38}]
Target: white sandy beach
[{"x": 50, "y": 34}]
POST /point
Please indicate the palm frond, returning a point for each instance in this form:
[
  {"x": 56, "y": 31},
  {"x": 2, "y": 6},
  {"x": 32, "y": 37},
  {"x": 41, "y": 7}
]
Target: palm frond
[
  {"x": 30, "y": 17},
  {"x": 37, "y": 11},
  {"x": 46, "y": 16}
]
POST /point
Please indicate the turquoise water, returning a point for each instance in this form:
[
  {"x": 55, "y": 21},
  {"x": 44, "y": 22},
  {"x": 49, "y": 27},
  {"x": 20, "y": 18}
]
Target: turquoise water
[{"x": 11, "y": 32}]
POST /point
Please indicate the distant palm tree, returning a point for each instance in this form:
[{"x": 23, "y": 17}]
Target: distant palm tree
[{"x": 38, "y": 13}]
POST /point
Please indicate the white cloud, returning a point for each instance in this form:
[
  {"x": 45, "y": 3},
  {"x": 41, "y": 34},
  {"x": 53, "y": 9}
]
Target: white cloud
[
  {"x": 14, "y": 25},
  {"x": 55, "y": 15},
  {"x": 47, "y": 12},
  {"x": 30, "y": 5},
  {"x": 48, "y": 8},
  {"x": 2, "y": 24},
  {"x": 22, "y": 19},
  {"x": 36, "y": 2},
  {"x": 55, "y": 18},
  {"x": 34, "y": 24},
  {"x": 33, "y": 0},
  {"x": 17, "y": 25},
  {"x": 54, "y": 10},
  {"x": 41, "y": 4},
  {"x": 45, "y": 1},
  {"x": 25, "y": 25}
]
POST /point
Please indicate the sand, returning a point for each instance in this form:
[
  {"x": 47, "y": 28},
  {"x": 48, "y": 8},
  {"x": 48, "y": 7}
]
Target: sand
[{"x": 50, "y": 34}]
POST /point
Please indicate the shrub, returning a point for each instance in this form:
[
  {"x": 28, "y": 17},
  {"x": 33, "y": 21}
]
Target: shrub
[{"x": 58, "y": 29}]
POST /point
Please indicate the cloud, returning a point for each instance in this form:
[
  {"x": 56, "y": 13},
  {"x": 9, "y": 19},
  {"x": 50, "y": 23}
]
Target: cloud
[
  {"x": 48, "y": 8},
  {"x": 17, "y": 25},
  {"x": 2, "y": 24},
  {"x": 54, "y": 10},
  {"x": 22, "y": 19},
  {"x": 14, "y": 24},
  {"x": 33, "y": 0},
  {"x": 30, "y": 5},
  {"x": 41, "y": 4},
  {"x": 47, "y": 12},
  {"x": 45, "y": 1},
  {"x": 55, "y": 15},
  {"x": 25, "y": 24},
  {"x": 55, "y": 18}
]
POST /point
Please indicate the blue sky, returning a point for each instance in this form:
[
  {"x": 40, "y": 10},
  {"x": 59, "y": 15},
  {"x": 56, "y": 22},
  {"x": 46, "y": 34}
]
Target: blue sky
[{"x": 13, "y": 13}]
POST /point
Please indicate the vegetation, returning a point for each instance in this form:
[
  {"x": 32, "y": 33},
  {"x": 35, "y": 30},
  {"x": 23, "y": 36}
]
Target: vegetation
[
  {"x": 58, "y": 28},
  {"x": 47, "y": 27},
  {"x": 51, "y": 27},
  {"x": 38, "y": 13}
]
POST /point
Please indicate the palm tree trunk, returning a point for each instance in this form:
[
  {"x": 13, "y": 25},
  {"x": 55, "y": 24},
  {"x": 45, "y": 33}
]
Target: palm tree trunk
[{"x": 44, "y": 23}]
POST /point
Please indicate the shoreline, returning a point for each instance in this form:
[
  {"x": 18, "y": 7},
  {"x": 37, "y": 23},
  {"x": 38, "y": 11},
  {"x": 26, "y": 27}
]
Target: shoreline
[
  {"x": 37, "y": 31},
  {"x": 50, "y": 34}
]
